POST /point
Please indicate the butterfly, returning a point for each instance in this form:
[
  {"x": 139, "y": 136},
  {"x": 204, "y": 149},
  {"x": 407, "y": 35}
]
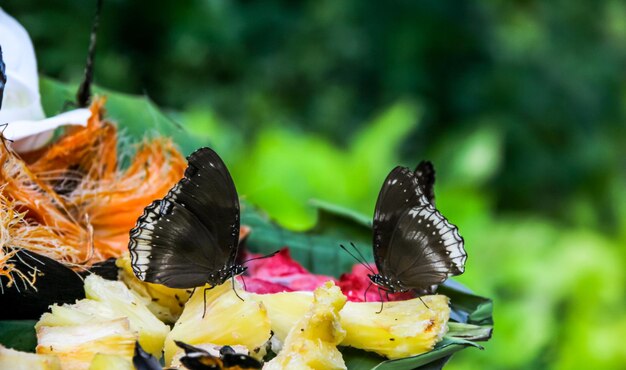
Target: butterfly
[
  {"x": 198, "y": 359},
  {"x": 191, "y": 236},
  {"x": 415, "y": 246},
  {"x": 425, "y": 173},
  {"x": 3, "y": 77},
  {"x": 142, "y": 360}
]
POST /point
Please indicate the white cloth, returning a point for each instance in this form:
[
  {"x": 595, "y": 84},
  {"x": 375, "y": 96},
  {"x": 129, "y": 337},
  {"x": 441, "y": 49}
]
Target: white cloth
[{"x": 21, "y": 105}]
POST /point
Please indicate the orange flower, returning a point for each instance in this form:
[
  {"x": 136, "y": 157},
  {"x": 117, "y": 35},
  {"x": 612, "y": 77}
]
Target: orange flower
[{"x": 75, "y": 196}]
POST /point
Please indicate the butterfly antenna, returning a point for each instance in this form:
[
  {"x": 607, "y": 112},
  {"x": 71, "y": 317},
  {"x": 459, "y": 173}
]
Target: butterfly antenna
[
  {"x": 4, "y": 127},
  {"x": 83, "y": 95},
  {"x": 424, "y": 302},
  {"x": 260, "y": 258},
  {"x": 362, "y": 258},
  {"x": 359, "y": 260}
]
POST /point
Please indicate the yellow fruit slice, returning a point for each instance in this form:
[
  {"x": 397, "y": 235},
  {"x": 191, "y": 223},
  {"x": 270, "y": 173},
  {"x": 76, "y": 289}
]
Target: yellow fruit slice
[
  {"x": 403, "y": 328},
  {"x": 17, "y": 360},
  {"x": 110, "y": 300},
  {"x": 312, "y": 341},
  {"x": 115, "y": 294},
  {"x": 110, "y": 362},
  {"x": 76, "y": 346},
  {"x": 164, "y": 302},
  {"x": 228, "y": 320}
]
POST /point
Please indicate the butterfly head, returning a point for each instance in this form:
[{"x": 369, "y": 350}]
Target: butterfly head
[
  {"x": 386, "y": 283},
  {"x": 220, "y": 276}
]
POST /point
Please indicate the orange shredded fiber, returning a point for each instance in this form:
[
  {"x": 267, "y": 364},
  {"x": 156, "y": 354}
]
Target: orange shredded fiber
[{"x": 73, "y": 202}]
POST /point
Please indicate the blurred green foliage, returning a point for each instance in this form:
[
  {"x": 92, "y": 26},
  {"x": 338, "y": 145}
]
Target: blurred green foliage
[{"x": 520, "y": 105}]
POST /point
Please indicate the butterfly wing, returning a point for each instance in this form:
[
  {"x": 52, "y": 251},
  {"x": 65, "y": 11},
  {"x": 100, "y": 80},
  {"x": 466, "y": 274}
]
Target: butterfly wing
[
  {"x": 3, "y": 77},
  {"x": 193, "y": 231},
  {"x": 238, "y": 361},
  {"x": 142, "y": 360},
  {"x": 425, "y": 173},
  {"x": 399, "y": 192},
  {"x": 424, "y": 250}
]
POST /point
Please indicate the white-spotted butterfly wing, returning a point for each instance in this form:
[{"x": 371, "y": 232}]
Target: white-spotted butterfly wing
[
  {"x": 415, "y": 247},
  {"x": 425, "y": 173},
  {"x": 399, "y": 192},
  {"x": 190, "y": 237}
]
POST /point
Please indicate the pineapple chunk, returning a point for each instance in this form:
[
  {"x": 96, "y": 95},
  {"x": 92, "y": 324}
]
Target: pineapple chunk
[
  {"x": 403, "y": 328},
  {"x": 312, "y": 342},
  {"x": 164, "y": 302},
  {"x": 76, "y": 346},
  {"x": 228, "y": 320},
  {"x": 110, "y": 362},
  {"x": 16, "y": 360},
  {"x": 123, "y": 302},
  {"x": 111, "y": 300},
  {"x": 284, "y": 310},
  {"x": 81, "y": 312}
]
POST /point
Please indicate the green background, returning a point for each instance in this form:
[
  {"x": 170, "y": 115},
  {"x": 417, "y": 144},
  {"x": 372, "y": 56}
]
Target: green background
[{"x": 519, "y": 104}]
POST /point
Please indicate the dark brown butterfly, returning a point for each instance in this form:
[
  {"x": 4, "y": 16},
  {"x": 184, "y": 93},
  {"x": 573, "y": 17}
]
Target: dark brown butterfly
[
  {"x": 142, "y": 360},
  {"x": 3, "y": 77},
  {"x": 198, "y": 359},
  {"x": 415, "y": 247},
  {"x": 190, "y": 237}
]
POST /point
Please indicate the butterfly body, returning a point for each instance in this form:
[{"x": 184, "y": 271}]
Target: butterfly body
[
  {"x": 225, "y": 273},
  {"x": 387, "y": 284},
  {"x": 415, "y": 246},
  {"x": 191, "y": 236}
]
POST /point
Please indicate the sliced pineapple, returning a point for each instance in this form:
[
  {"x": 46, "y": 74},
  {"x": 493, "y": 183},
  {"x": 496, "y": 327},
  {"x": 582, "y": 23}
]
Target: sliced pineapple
[
  {"x": 312, "y": 341},
  {"x": 76, "y": 346},
  {"x": 284, "y": 310},
  {"x": 81, "y": 312},
  {"x": 17, "y": 360},
  {"x": 227, "y": 321},
  {"x": 114, "y": 294},
  {"x": 110, "y": 300},
  {"x": 164, "y": 302},
  {"x": 110, "y": 362},
  {"x": 403, "y": 328}
]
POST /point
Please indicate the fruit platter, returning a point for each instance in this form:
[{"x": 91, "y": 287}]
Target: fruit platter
[{"x": 118, "y": 252}]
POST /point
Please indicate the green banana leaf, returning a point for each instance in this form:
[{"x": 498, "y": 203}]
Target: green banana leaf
[
  {"x": 136, "y": 115},
  {"x": 318, "y": 249}
]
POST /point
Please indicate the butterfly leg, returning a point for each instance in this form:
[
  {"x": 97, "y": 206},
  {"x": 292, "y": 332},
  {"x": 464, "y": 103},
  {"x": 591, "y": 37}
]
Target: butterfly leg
[
  {"x": 365, "y": 293},
  {"x": 424, "y": 302},
  {"x": 243, "y": 281},
  {"x": 235, "y": 290},
  {"x": 204, "y": 294},
  {"x": 381, "y": 301}
]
